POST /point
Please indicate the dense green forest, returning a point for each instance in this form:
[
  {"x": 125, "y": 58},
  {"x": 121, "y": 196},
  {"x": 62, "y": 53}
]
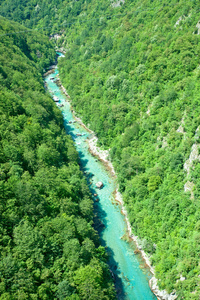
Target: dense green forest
[
  {"x": 132, "y": 71},
  {"x": 134, "y": 79},
  {"x": 48, "y": 246}
]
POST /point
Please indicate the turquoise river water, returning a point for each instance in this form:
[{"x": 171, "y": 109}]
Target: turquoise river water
[{"x": 130, "y": 279}]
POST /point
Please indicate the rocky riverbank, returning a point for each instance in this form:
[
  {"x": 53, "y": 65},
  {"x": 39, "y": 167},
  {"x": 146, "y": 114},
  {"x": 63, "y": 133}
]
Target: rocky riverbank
[
  {"x": 102, "y": 155},
  {"x": 153, "y": 282}
]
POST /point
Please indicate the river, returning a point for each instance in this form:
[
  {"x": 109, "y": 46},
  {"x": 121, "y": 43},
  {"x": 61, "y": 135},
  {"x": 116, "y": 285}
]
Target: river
[{"x": 131, "y": 278}]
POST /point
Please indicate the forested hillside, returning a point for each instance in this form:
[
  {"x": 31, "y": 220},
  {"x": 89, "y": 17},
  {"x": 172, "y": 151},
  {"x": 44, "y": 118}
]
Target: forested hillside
[
  {"x": 134, "y": 78},
  {"x": 50, "y": 15},
  {"x": 132, "y": 71},
  {"x": 48, "y": 247}
]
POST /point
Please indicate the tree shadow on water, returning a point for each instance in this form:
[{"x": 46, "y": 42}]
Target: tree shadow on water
[
  {"x": 100, "y": 223},
  {"x": 69, "y": 129},
  {"x": 115, "y": 271},
  {"x": 83, "y": 163}
]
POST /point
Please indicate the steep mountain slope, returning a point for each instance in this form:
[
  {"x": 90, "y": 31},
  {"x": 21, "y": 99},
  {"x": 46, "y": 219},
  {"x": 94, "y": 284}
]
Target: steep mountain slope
[
  {"x": 49, "y": 15},
  {"x": 135, "y": 79},
  {"x": 48, "y": 247},
  {"x": 132, "y": 70}
]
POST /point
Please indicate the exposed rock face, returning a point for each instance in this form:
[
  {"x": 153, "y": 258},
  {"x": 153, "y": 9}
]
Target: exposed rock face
[
  {"x": 181, "y": 126},
  {"x": 194, "y": 155},
  {"x": 55, "y": 36},
  {"x": 161, "y": 295},
  {"x": 180, "y": 129},
  {"x": 188, "y": 187},
  {"x": 179, "y": 20},
  {"x": 163, "y": 140},
  {"x": 198, "y": 27},
  {"x": 182, "y": 18},
  {"x": 148, "y": 110},
  {"x": 117, "y": 3}
]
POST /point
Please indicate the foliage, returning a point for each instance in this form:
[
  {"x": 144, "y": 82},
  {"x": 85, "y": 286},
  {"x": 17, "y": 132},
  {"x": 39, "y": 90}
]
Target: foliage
[
  {"x": 134, "y": 78},
  {"x": 47, "y": 239},
  {"x": 132, "y": 72}
]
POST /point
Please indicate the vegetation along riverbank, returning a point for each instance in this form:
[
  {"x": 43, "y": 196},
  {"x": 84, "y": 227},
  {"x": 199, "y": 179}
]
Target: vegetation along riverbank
[
  {"x": 49, "y": 248},
  {"x": 132, "y": 71}
]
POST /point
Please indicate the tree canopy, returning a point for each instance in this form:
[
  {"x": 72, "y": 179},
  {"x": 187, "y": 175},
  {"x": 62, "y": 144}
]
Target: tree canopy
[
  {"x": 132, "y": 71},
  {"x": 48, "y": 245}
]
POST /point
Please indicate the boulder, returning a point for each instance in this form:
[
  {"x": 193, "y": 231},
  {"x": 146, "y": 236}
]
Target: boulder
[{"x": 99, "y": 185}]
